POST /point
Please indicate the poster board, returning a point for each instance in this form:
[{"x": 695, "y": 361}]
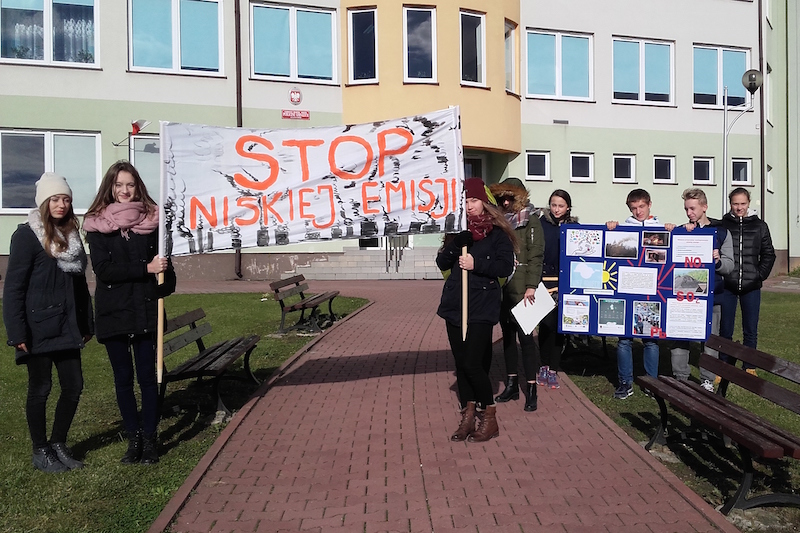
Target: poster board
[{"x": 636, "y": 281}]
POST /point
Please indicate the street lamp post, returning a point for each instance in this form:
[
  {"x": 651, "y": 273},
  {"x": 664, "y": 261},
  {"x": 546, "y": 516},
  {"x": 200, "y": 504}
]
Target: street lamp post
[{"x": 752, "y": 80}]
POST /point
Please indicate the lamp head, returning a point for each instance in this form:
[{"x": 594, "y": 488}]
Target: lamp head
[{"x": 752, "y": 80}]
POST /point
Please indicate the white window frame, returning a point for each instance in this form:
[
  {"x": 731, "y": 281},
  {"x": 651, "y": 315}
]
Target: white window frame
[
  {"x": 293, "y": 76},
  {"x": 434, "y": 70},
  {"x": 546, "y": 176},
  {"x": 49, "y": 147},
  {"x": 629, "y": 157},
  {"x": 47, "y": 44},
  {"x": 510, "y": 55},
  {"x": 176, "y": 44},
  {"x": 767, "y": 92},
  {"x": 770, "y": 184},
  {"x": 671, "y": 159},
  {"x": 350, "y": 50},
  {"x": 710, "y": 180},
  {"x": 584, "y": 179},
  {"x": 749, "y": 165},
  {"x": 720, "y": 83},
  {"x": 482, "y": 51},
  {"x": 559, "y": 67},
  {"x": 642, "y": 80}
]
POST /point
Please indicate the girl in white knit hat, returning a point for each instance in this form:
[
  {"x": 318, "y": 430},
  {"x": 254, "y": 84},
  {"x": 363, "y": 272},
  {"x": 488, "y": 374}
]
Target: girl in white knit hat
[{"x": 47, "y": 312}]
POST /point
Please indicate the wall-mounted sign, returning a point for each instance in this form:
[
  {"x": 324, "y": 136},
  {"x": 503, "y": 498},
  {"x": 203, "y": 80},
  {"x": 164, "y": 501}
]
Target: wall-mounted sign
[
  {"x": 295, "y": 113},
  {"x": 295, "y": 96}
]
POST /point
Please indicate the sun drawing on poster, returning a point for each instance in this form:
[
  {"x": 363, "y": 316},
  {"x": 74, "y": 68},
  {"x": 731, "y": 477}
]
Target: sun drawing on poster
[{"x": 609, "y": 276}]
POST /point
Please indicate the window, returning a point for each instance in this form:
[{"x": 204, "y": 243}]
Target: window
[
  {"x": 293, "y": 43},
  {"x": 176, "y": 35},
  {"x": 581, "y": 167},
  {"x": 537, "y": 166},
  {"x": 624, "y": 168},
  {"x": 419, "y": 44},
  {"x": 363, "y": 46},
  {"x": 664, "y": 169},
  {"x": 768, "y": 96},
  {"x": 770, "y": 185},
  {"x": 643, "y": 71},
  {"x": 144, "y": 154},
  {"x": 473, "y": 53},
  {"x": 511, "y": 56},
  {"x": 703, "y": 171},
  {"x": 473, "y": 166},
  {"x": 715, "y": 68},
  {"x": 25, "y": 156},
  {"x": 559, "y": 66},
  {"x": 48, "y": 31},
  {"x": 742, "y": 171}
]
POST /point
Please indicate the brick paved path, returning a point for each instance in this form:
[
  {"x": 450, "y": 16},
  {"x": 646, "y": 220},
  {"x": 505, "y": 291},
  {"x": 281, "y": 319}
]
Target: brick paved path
[{"x": 355, "y": 438}]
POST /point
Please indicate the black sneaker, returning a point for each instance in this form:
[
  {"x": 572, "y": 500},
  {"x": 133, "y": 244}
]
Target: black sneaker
[
  {"x": 647, "y": 392},
  {"x": 625, "y": 390},
  {"x": 64, "y": 455},
  {"x": 46, "y": 460}
]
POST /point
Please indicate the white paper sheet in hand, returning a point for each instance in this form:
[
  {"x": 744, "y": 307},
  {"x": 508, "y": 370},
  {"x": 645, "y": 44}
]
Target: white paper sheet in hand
[{"x": 528, "y": 316}]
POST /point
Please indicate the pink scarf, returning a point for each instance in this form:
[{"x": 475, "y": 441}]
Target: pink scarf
[{"x": 122, "y": 216}]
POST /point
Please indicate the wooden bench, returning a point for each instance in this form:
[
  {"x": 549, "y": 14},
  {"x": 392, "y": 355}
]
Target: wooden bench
[
  {"x": 753, "y": 435},
  {"x": 295, "y": 286},
  {"x": 212, "y": 362}
]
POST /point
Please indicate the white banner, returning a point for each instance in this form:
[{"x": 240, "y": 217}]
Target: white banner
[{"x": 234, "y": 187}]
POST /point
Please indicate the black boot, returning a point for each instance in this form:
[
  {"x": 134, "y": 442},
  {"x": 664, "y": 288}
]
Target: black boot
[
  {"x": 532, "y": 403},
  {"x": 511, "y": 391},
  {"x": 64, "y": 455},
  {"x": 46, "y": 460},
  {"x": 149, "y": 450},
  {"x": 134, "y": 452}
]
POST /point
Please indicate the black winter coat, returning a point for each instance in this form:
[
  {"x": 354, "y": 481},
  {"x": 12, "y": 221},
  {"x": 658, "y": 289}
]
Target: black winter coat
[
  {"x": 494, "y": 258},
  {"x": 44, "y": 307},
  {"x": 552, "y": 245},
  {"x": 126, "y": 296},
  {"x": 753, "y": 253}
]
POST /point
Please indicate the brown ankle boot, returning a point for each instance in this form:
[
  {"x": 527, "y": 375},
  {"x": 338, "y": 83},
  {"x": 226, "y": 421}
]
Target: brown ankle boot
[
  {"x": 467, "y": 425},
  {"x": 487, "y": 427}
]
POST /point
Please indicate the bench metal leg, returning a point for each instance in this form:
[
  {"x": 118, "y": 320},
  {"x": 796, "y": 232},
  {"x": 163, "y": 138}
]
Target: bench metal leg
[
  {"x": 740, "y": 500},
  {"x": 220, "y": 404},
  {"x": 658, "y": 436}
]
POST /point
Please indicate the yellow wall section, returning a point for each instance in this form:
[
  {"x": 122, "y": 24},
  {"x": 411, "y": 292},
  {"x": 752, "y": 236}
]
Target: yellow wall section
[{"x": 490, "y": 117}]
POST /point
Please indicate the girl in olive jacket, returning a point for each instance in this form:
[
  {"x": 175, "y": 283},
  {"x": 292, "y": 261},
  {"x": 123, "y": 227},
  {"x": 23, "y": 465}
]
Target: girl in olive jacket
[{"x": 513, "y": 198}]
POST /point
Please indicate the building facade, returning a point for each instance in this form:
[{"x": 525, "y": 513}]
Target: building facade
[{"x": 595, "y": 98}]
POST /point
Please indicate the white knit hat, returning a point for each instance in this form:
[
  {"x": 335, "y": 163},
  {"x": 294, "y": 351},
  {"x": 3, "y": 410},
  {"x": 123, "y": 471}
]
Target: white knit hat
[{"x": 49, "y": 185}]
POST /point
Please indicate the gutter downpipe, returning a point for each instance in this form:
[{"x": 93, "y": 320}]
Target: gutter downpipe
[
  {"x": 237, "y": 18},
  {"x": 762, "y": 120}
]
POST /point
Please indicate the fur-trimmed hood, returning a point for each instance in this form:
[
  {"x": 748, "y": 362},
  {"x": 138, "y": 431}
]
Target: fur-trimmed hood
[{"x": 514, "y": 188}]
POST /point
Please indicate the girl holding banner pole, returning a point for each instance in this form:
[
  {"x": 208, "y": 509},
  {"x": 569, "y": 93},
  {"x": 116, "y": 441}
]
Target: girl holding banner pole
[
  {"x": 491, "y": 244},
  {"x": 122, "y": 231}
]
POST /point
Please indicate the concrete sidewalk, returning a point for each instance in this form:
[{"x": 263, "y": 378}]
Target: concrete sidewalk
[{"x": 354, "y": 437}]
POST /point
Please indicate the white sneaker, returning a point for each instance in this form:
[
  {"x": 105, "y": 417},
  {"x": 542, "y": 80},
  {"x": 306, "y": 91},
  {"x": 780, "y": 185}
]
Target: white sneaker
[{"x": 707, "y": 385}]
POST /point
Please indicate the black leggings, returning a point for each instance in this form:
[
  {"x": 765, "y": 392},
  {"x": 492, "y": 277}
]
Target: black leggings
[
  {"x": 531, "y": 360},
  {"x": 144, "y": 355},
  {"x": 473, "y": 360},
  {"x": 40, "y": 381},
  {"x": 550, "y": 340}
]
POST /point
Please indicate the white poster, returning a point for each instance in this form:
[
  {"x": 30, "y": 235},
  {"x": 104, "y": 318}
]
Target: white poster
[
  {"x": 637, "y": 280},
  {"x": 575, "y": 313},
  {"x": 235, "y": 188},
  {"x": 687, "y": 249},
  {"x": 687, "y": 318}
]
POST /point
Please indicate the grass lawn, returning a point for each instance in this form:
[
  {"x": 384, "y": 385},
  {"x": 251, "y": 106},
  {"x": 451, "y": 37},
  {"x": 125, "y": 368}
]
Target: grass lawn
[
  {"x": 712, "y": 473},
  {"x": 106, "y": 495}
]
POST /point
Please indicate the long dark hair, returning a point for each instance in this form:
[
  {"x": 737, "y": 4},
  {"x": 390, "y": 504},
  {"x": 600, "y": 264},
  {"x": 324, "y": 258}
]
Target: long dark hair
[
  {"x": 66, "y": 225},
  {"x": 564, "y": 195},
  {"x": 105, "y": 194}
]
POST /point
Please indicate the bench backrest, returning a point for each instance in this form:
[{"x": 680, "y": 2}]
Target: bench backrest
[
  {"x": 774, "y": 365},
  {"x": 296, "y": 286},
  {"x": 194, "y": 333}
]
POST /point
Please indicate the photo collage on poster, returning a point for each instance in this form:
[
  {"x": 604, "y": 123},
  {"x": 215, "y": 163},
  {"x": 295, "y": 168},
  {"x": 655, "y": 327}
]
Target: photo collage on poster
[{"x": 636, "y": 281}]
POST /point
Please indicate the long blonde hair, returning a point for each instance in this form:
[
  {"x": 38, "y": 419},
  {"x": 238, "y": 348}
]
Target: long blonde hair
[
  {"x": 52, "y": 226},
  {"x": 499, "y": 220}
]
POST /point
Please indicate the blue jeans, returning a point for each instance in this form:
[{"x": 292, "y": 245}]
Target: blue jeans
[
  {"x": 750, "y": 303},
  {"x": 625, "y": 358}
]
